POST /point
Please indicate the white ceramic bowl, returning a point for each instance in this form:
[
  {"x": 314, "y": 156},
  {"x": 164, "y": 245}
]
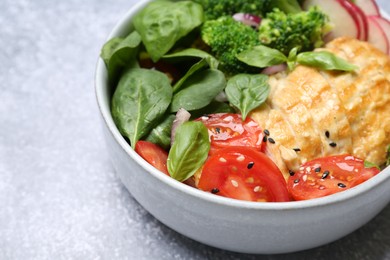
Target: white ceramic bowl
[{"x": 247, "y": 227}]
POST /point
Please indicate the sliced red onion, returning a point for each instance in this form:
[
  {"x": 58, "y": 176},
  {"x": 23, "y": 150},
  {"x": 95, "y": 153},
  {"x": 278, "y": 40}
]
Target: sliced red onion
[
  {"x": 274, "y": 69},
  {"x": 248, "y": 19},
  {"x": 182, "y": 116}
]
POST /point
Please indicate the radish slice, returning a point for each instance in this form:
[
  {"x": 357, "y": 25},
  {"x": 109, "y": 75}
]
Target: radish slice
[
  {"x": 248, "y": 19},
  {"x": 385, "y": 24},
  {"x": 369, "y": 7},
  {"x": 360, "y": 17},
  {"x": 377, "y": 34},
  {"x": 345, "y": 21},
  {"x": 182, "y": 116},
  {"x": 274, "y": 69}
]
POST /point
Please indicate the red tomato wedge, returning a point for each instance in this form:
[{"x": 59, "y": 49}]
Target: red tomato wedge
[
  {"x": 243, "y": 173},
  {"x": 227, "y": 129},
  {"x": 153, "y": 154},
  {"x": 328, "y": 175}
]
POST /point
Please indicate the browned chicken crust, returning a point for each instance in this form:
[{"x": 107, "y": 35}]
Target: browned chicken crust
[{"x": 312, "y": 113}]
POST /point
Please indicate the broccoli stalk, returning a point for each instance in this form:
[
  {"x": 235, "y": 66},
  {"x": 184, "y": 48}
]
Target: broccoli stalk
[
  {"x": 304, "y": 30},
  {"x": 226, "y": 38}
]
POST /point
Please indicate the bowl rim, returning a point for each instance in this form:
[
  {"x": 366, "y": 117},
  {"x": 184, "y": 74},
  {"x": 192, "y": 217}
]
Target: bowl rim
[{"x": 101, "y": 82}]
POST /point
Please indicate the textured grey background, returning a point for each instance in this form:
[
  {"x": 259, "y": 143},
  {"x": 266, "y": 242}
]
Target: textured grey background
[{"x": 59, "y": 195}]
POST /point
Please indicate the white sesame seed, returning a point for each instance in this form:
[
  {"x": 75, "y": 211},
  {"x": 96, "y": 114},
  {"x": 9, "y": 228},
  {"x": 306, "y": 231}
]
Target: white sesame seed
[
  {"x": 241, "y": 158},
  {"x": 304, "y": 177},
  {"x": 308, "y": 169},
  {"x": 234, "y": 183},
  {"x": 204, "y": 118},
  {"x": 257, "y": 189},
  {"x": 221, "y": 159}
]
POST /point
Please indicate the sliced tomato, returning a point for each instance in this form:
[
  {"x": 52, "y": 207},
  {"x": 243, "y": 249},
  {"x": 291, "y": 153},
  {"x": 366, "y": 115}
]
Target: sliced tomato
[
  {"x": 328, "y": 175},
  {"x": 243, "y": 173},
  {"x": 226, "y": 129},
  {"x": 153, "y": 154}
]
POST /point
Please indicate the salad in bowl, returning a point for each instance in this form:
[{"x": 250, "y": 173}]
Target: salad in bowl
[{"x": 248, "y": 109}]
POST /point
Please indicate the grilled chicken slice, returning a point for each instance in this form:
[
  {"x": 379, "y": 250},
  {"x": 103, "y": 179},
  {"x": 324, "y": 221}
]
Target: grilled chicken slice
[{"x": 311, "y": 113}]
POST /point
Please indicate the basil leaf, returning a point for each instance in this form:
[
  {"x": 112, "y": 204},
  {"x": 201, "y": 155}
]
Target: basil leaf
[
  {"x": 162, "y": 23},
  {"x": 247, "y": 91},
  {"x": 189, "y": 150},
  {"x": 368, "y": 164},
  {"x": 324, "y": 60},
  {"x": 193, "y": 53},
  {"x": 135, "y": 106},
  {"x": 262, "y": 56},
  {"x": 118, "y": 53},
  {"x": 286, "y": 6},
  {"x": 194, "y": 68},
  {"x": 292, "y": 58},
  {"x": 199, "y": 90},
  {"x": 161, "y": 134}
]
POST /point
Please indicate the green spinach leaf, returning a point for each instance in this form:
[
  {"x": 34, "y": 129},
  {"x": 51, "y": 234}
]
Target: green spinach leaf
[
  {"x": 162, "y": 23},
  {"x": 194, "y": 68},
  {"x": 324, "y": 60},
  {"x": 119, "y": 53},
  {"x": 189, "y": 150},
  {"x": 135, "y": 106},
  {"x": 161, "y": 134},
  {"x": 262, "y": 56},
  {"x": 247, "y": 91},
  {"x": 199, "y": 90},
  {"x": 213, "y": 108},
  {"x": 193, "y": 53}
]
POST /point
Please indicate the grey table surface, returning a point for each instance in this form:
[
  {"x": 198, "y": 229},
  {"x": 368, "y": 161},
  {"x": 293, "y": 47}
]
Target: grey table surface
[{"x": 59, "y": 195}]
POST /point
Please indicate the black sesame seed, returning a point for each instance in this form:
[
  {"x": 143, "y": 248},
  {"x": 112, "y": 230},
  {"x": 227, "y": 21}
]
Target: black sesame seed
[
  {"x": 325, "y": 174},
  {"x": 297, "y": 149},
  {"x": 215, "y": 190},
  {"x": 271, "y": 140},
  {"x": 218, "y": 130},
  {"x": 291, "y": 173},
  {"x": 327, "y": 134},
  {"x": 318, "y": 169},
  {"x": 333, "y": 144},
  {"x": 266, "y": 131},
  {"x": 265, "y": 139},
  {"x": 296, "y": 180},
  {"x": 250, "y": 165},
  {"x": 342, "y": 185}
]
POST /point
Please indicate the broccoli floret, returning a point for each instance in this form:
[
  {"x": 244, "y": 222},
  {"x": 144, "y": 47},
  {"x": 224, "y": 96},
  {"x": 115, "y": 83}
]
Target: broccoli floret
[
  {"x": 226, "y": 38},
  {"x": 217, "y": 8},
  {"x": 304, "y": 30}
]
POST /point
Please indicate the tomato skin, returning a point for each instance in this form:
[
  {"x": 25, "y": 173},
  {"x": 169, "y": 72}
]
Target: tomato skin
[
  {"x": 243, "y": 173},
  {"x": 153, "y": 154},
  {"x": 226, "y": 129},
  {"x": 328, "y": 175}
]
